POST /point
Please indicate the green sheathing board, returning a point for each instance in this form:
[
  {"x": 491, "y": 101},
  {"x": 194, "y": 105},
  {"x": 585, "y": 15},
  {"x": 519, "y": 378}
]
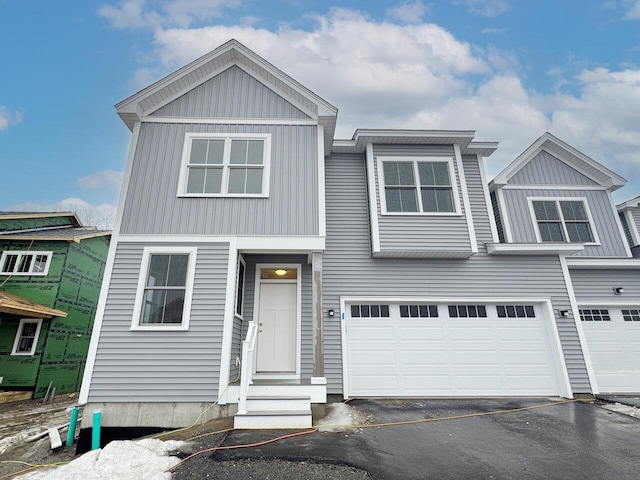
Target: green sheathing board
[
  {"x": 8, "y": 225},
  {"x": 73, "y": 286},
  {"x": 19, "y": 370}
]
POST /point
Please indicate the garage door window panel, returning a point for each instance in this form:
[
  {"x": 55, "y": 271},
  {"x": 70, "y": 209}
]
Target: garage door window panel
[
  {"x": 467, "y": 311},
  {"x": 418, "y": 311},
  {"x": 369, "y": 311},
  {"x": 515, "y": 311},
  {"x": 594, "y": 315},
  {"x": 631, "y": 314}
]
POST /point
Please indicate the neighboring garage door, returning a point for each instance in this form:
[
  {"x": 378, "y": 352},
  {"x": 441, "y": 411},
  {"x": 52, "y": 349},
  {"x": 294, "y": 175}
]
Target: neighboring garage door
[
  {"x": 613, "y": 339},
  {"x": 419, "y": 349}
]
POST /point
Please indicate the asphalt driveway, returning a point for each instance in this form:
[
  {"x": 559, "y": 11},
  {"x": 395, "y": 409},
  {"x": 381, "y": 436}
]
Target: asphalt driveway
[{"x": 562, "y": 441}]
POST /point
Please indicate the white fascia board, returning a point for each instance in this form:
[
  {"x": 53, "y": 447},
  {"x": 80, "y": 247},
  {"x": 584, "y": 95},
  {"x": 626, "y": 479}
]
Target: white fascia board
[
  {"x": 633, "y": 227},
  {"x": 622, "y": 236},
  {"x": 532, "y": 249},
  {"x": 576, "y": 263},
  {"x": 633, "y": 203},
  {"x": 232, "y": 121},
  {"x": 484, "y": 149}
]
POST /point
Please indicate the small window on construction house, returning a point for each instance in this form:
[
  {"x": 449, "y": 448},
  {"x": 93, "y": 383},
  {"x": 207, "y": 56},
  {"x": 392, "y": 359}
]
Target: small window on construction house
[{"x": 27, "y": 336}]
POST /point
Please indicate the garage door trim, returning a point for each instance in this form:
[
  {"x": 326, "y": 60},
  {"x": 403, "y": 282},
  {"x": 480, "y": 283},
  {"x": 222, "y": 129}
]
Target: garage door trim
[{"x": 544, "y": 303}]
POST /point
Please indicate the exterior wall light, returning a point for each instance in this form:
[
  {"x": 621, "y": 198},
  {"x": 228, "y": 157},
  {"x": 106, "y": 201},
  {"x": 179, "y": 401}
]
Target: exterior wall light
[
  {"x": 331, "y": 313},
  {"x": 618, "y": 290},
  {"x": 564, "y": 313},
  {"x": 281, "y": 271}
]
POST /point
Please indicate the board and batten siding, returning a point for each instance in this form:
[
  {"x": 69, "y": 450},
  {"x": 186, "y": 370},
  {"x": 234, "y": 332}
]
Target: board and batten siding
[
  {"x": 596, "y": 285},
  {"x": 152, "y": 205},
  {"x": 306, "y": 362},
  {"x": 233, "y": 93},
  {"x": 156, "y": 366},
  {"x": 522, "y": 227},
  {"x": 625, "y": 228},
  {"x": 409, "y": 234},
  {"x": 545, "y": 169},
  {"x": 349, "y": 270}
]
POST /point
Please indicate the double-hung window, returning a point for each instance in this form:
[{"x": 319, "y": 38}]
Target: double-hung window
[
  {"x": 27, "y": 336},
  {"x": 225, "y": 165},
  {"x": 163, "y": 299},
  {"x": 563, "y": 221},
  {"x": 25, "y": 263},
  {"x": 419, "y": 185}
]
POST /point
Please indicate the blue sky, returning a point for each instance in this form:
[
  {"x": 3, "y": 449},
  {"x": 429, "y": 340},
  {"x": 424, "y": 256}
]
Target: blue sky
[{"x": 508, "y": 69}]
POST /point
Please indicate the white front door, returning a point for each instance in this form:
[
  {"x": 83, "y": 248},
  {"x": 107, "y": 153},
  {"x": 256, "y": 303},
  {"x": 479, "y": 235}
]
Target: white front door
[{"x": 277, "y": 328}]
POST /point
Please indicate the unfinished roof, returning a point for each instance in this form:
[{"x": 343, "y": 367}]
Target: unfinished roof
[
  {"x": 15, "y": 305},
  {"x": 70, "y": 234},
  {"x": 18, "y": 215},
  {"x": 565, "y": 153}
]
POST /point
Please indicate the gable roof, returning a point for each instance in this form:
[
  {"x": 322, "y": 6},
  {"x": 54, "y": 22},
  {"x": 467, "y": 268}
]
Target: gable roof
[
  {"x": 176, "y": 84},
  {"x": 70, "y": 234},
  {"x": 633, "y": 203},
  {"x": 17, "y": 215},
  {"x": 565, "y": 153}
]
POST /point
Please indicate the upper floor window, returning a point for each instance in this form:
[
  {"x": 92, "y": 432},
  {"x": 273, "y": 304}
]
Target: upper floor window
[
  {"x": 420, "y": 185},
  {"x": 25, "y": 263},
  {"x": 163, "y": 299},
  {"x": 563, "y": 221},
  {"x": 225, "y": 165}
]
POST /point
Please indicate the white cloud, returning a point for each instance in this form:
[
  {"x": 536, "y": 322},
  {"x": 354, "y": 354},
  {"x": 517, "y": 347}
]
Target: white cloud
[
  {"x": 384, "y": 75},
  {"x": 104, "y": 179},
  {"x": 8, "y": 117},
  {"x": 486, "y": 8},
  {"x": 101, "y": 216},
  {"x": 153, "y": 13},
  {"x": 633, "y": 9},
  {"x": 410, "y": 12}
]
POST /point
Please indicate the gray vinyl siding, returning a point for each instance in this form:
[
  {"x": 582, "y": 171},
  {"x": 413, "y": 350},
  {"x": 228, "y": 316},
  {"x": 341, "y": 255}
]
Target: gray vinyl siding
[
  {"x": 477, "y": 201},
  {"x": 545, "y": 169},
  {"x": 306, "y": 363},
  {"x": 498, "y": 217},
  {"x": 156, "y": 366},
  {"x": 233, "y": 93},
  {"x": 153, "y": 207},
  {"x": 625, "y": 228},
  {"x": 596, "y": 286},
  {"x": 635, "y": 213},
  {"x": 522, "y": 227},
  {"x": 422, "y": 234},
  {"x": 349, "y": 270}
]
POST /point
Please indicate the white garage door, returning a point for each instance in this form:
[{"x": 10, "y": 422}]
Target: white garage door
[
  {"x": 613, "y": 338},
  {"x": 448, "y": 350}
]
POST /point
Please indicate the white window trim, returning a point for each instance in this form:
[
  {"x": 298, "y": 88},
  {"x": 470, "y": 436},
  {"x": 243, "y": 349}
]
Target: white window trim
[
  {"x": 142, "y": 281},
  {"x": 536, "y": 228},
  {"x": 414, "y": 160},
  {"x": 242, "y": 261},
  {"x": 19, "y": 334},
  {"x": 228, "y": 137},
  {"x": 6, "y": 253}
]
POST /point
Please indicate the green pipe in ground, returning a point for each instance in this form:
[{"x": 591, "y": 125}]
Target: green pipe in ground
[
  {"x": 95, "y": 430},
  {"x": 71, "y": 433}
]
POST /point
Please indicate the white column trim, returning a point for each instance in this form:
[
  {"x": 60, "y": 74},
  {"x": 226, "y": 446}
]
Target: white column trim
[
  {"x": 322, "y": 208},
  {"x": 373, "y": 206},
  {"x": 227, "y": 328},
  {"x": 623, "y": 236}
]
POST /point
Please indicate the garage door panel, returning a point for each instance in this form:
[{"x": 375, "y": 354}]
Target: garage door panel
[
  {"x": 423, "y": 358},
  {"x": 614, "y": 348},
  {"x": 442, "y": 356}
]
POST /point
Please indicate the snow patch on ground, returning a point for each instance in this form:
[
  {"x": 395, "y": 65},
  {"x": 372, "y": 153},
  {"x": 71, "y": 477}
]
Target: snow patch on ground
[
  {"x": 145, "y": 459},
  {"x": 621, "y": 408},
  {"x": 340, "y": 417}
]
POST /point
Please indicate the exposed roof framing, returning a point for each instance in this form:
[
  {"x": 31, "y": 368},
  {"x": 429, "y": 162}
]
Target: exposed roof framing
[{"x": 15, "y": 305}]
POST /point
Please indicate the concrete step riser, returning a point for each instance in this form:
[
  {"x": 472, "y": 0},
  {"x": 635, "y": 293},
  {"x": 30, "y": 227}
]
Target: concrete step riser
[
  {"x": 248, "y": 422},
  {"x": 294, "y": 405}
]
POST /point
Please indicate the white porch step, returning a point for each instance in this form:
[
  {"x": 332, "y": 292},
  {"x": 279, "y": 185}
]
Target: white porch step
[
  {"x": 278, "y": 403},
  {"x": 273, "y": 419}
]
